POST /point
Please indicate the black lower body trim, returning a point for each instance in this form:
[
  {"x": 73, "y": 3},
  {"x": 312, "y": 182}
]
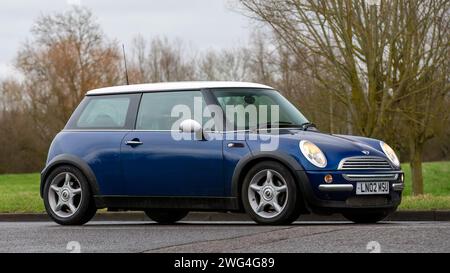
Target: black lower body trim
[{"x": 151, "y": 202}]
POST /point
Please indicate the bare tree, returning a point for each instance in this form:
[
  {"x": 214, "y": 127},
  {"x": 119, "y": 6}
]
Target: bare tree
[
  {"x": 67, "y": 56},
  {"x": 160, "y": 60},
  {"x": 225, "y": 65},
  {"x": 16, "y": 125}
]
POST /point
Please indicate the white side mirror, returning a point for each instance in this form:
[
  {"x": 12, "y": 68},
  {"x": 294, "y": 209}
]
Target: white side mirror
[{"x": 192, "y": 126}]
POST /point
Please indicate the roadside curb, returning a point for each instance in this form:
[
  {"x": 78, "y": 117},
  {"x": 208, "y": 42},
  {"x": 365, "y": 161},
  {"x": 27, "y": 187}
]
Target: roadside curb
[{"x": 435, "y": 215}]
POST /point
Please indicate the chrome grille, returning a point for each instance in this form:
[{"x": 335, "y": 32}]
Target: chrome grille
[
  {"x": 364, "y": 163},
  {"x": 371, "y": 177}
]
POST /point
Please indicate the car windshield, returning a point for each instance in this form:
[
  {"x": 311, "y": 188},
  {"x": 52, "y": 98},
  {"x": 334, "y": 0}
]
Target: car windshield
[{"x": 258, "y": 108}]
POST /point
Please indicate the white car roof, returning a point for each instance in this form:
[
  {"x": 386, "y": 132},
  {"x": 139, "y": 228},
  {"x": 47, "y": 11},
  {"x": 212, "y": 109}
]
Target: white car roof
[{"x": 168, "y": 86}]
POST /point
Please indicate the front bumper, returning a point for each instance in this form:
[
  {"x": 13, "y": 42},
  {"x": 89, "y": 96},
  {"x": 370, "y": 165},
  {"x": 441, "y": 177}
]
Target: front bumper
[
  {"x": 350, "y": 187},
  {"x": 340, "y": 195}
]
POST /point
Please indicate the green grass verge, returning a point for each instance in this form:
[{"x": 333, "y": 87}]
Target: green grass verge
[
  {"x": 436, "y": 186},
  {"x": 436, "y": 178},
  {"x": 425, "y": 202},
  {"x": 20, "y": 192}
]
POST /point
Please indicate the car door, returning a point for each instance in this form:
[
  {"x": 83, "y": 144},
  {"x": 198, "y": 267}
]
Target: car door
[
  {"x": 94, "y": 134},
  {"x": 157, "y": 164}
]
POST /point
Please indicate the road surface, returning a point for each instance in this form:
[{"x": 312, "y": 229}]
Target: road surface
[{"x": 225, "y": 237}]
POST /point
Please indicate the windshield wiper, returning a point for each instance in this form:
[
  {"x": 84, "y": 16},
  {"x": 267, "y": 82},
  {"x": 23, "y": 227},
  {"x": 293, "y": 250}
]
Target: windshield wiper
[
  {"x": 280, "y": 124},
  {"x": 307, "y": 125}
]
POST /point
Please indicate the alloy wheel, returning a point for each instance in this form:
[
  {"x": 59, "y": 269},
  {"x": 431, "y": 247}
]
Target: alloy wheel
[
  {"x": 65, "y": 194},
  {"x": 268, "y": 193}
]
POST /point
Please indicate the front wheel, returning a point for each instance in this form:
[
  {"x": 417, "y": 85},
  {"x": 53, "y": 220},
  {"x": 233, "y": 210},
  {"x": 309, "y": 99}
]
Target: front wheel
[
  {"x": 269, "y": 194},
  {"x": 366, "y": 218},
  {"x": 166, "y": 216}
]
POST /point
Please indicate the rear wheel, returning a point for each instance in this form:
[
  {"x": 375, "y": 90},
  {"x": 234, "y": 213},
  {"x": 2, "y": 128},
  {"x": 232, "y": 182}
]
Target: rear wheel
[
  {"x": 366, "y": 218},
  {"x": 166, "y": 216},
  {"x": 269, "y": 194},
  {"x": 67, "y": 197}
]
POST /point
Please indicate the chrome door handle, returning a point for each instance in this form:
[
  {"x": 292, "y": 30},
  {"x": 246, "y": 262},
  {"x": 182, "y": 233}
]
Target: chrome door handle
[
  {"x": 134, "y": 142},
  {"x": 235, "y": 145}
]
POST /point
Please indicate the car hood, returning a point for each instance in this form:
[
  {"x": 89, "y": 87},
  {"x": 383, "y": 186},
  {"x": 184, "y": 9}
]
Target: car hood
[{"x": 335, "y": 147}]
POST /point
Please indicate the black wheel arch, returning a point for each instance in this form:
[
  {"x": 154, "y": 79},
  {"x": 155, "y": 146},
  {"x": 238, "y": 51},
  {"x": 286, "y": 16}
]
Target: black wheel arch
[{"x": 65, "y": 159}]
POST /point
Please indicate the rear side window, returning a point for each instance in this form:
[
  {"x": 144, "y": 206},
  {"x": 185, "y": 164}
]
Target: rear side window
[{"x": 105, "y": 112}]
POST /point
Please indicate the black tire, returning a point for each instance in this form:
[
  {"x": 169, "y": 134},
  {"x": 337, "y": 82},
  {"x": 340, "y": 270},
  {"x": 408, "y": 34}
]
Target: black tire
[
  {"x": 292, "y": 208},
  {"x": 367, "y": 217},
  {"x": 166, "y": 216},
  {"x": 86, "y": 209}
]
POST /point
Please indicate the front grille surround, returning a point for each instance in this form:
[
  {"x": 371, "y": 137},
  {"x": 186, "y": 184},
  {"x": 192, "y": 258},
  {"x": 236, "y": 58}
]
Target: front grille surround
[{"x": 362, "y": 163}]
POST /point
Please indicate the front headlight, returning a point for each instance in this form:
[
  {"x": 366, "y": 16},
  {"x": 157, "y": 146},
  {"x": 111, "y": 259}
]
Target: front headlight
[
  {"x": 390, "y": 154},
  {"x": 313, "y": 153}
]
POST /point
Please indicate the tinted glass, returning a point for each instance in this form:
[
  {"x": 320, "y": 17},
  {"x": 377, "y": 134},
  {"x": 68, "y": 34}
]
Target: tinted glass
[
  {"x": 104, "y": 112},
  {"x": 155, "y": 110}
]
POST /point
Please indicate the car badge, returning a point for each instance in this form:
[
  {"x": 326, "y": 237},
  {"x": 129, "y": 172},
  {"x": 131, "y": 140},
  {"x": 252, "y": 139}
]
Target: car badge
[{"x": 365, "y": 152}]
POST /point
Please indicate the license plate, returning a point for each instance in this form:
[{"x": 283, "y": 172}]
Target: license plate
[{"x": 365, "y": 188}]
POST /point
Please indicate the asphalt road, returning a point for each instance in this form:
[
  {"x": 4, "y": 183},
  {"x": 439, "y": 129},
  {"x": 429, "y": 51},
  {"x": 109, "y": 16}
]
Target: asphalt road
[{"x": 225, "y": 237}]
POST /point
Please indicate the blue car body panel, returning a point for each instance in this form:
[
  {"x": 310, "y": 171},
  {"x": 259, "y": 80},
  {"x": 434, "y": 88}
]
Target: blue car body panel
[
  {"x": 334, "y": 147},
  {"x": 100, "y": 150},
  {"x": 162, "y": 166},
  {"x": 232, "y": 156}
]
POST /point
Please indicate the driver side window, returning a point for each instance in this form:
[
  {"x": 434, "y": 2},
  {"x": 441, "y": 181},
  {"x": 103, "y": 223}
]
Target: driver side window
[{"x": 155, "y": 111}]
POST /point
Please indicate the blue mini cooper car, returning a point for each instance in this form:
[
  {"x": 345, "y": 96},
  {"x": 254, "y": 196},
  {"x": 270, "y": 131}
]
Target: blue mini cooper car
[{"x": 171, "y": 148}]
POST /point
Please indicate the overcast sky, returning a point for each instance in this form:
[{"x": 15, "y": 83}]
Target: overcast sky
[{"x": 202, "y": 24}]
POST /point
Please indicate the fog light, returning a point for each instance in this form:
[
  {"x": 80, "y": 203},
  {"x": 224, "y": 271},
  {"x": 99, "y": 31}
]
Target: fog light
[{"x": 328, "y": 178}]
